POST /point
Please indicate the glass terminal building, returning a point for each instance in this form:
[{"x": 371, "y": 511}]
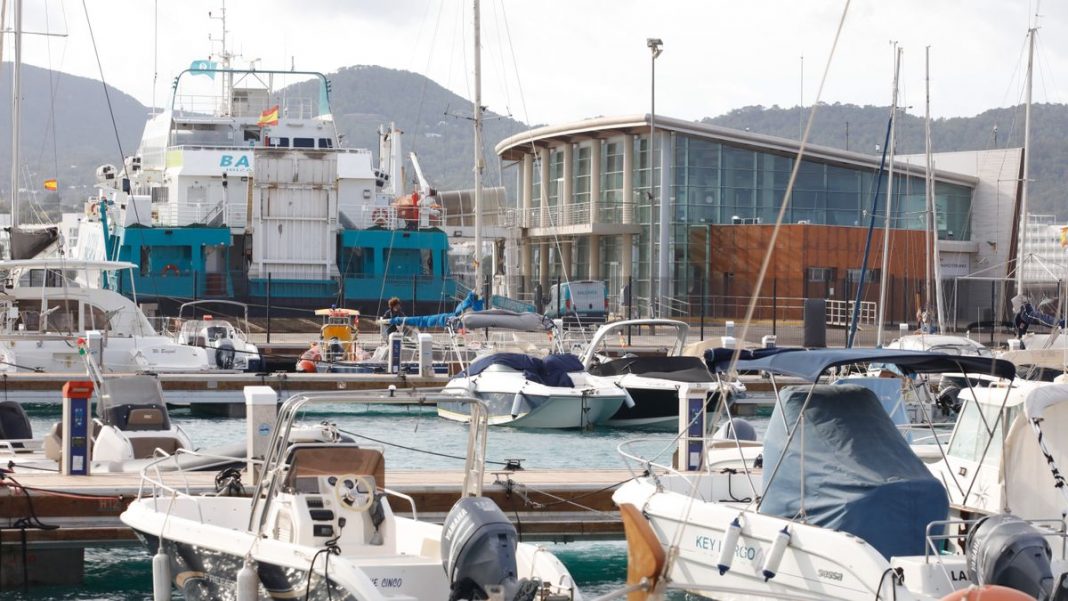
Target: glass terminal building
[{"x": 589, "y": 195}]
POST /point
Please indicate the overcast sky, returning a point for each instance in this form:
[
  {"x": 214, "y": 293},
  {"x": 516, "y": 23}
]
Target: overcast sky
[{"x": 552, "y": 61}]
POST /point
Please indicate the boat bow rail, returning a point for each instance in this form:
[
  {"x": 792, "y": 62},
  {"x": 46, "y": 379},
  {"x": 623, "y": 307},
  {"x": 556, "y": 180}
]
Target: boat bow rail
[{"x": 156, "y": 485}]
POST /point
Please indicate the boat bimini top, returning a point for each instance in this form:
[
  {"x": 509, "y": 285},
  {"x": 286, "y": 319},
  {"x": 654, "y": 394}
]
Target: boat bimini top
[{"x": 809, "y": 365}]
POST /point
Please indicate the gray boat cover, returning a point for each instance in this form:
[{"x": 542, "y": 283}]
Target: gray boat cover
[
  {"x": 506, "y": 320},
  {"x": 860, "y": 476}
]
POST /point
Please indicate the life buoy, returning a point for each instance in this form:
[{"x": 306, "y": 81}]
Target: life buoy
[
  {"x": 379, "y": 216},
  {"x": 170, "y": 268}
]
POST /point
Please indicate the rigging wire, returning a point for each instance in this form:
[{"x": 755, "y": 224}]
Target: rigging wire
[{"x": 107, "y": 94}]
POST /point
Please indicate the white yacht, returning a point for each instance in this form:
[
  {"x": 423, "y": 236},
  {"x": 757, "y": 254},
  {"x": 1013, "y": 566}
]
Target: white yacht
[
  {"x": 228, "y": 346},
  {"x": 527, "y": 391},
  {"x": 321, "y": 524},
  {"x": 651, "y": 381},
  {"x": 840, "y": 507},
  {"x": 46, "y": 305}
]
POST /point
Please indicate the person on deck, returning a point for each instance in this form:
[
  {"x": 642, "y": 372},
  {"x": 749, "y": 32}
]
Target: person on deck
[{"x": 393, "y": 311}]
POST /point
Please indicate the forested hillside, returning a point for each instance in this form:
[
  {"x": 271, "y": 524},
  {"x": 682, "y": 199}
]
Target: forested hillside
[{"x": 80, "y": 136}]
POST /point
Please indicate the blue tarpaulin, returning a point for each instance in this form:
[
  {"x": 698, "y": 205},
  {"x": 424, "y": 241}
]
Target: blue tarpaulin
[
  {"x": 440, "y": 320},
  {"x": 857, "y": 475}
]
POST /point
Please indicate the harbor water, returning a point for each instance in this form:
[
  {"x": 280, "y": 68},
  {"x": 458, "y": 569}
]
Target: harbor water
[{"x": 413, "y": 438}]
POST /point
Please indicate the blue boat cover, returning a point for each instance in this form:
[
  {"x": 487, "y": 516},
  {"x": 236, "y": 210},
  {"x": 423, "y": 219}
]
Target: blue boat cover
[
  {"x": 550, "y": 372},
  {"x": 811, "y": 364},
  {"x": 859, "y": 474},
  {"x": 439, "y": 320}
]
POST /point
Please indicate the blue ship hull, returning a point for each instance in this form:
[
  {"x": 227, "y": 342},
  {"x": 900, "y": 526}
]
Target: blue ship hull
[{"x": 182, "y": 264}]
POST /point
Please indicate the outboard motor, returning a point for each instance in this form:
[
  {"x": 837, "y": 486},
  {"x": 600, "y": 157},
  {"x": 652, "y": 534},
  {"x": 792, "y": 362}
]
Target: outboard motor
[
  {"x": 478, "y": 546},
  {"x": 225, "y": 354},
  {"x": 742, "y": 430},
  {"x": 14, "y": 425},
  {"x": 1008, "y": 551}
]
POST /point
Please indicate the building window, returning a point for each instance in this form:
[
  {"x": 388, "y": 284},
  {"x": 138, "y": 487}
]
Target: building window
[{"x": 820, "y": 274}]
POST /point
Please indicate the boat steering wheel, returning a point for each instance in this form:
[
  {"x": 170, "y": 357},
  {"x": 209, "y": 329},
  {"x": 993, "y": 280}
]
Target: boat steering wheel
[{"x": 355, "y": 493}]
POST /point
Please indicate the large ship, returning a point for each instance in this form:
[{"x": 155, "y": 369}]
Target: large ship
[{"x": 241, "y": 189}]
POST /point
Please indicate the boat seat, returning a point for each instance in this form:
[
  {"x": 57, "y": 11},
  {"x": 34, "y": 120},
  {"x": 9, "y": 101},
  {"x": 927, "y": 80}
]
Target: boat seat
[
  {"x": 145, "y": 447},
  {"x": 52, "y": 443},
  {"x": 145, "y": 418},
  {"x": 335, "y": 460}
]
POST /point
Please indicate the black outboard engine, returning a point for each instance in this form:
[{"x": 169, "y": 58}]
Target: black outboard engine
[
  {"x": 742, "y": 430},
  {"x": 478, "y": 550},
  {"x": 14, "y": 425},
  {"x": 224, "y": 354},
  {"x": 1007, "y": 551}
]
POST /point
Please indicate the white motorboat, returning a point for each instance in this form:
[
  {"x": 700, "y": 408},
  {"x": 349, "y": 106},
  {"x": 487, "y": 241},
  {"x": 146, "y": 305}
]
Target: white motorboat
[
  {"x": 841, "y": 508},
  {"x": 228, "y": 346},
  {"x": 1006, "y": 447},
  {"x": 651, "y": 381},
  {"x": 525, "y": 391},
  {"x": 320, "y": 524},
  {"x": 47, "y": 304}
]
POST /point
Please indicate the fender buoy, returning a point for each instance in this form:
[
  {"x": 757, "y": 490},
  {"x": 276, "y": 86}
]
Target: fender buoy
[
  {"x": 306, "y": 366},
  {"x": 988, "y": 592},
  {"x": 170, "y": 268},
  {"x": 379, "y": 216}
]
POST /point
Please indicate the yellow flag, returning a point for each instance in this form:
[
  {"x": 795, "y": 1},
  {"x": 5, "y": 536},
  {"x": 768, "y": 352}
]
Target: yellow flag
[
  {"x": 51, "y": 185},
  {"x": 1064, "y": 237}
]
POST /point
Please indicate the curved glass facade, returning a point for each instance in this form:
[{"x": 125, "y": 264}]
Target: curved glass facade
[
  {"x": 711, "y": 182},
  {"x": 718, "y": 183}
]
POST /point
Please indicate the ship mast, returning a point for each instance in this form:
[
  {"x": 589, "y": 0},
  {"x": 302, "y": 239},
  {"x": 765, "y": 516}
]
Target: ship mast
[
  {"x": 224, "y": 56},
  {"x": 478, "y": 156}
]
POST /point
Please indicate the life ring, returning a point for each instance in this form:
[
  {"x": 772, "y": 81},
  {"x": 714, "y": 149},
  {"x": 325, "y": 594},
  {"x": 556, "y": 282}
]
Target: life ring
[
  {"x": 379, "y": 216},
  {"x": 170, "y": 268}
]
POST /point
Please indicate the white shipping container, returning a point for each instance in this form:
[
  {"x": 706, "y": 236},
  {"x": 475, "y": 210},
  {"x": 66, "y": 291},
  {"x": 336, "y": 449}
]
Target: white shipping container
[{"x": 294, "y": 215}]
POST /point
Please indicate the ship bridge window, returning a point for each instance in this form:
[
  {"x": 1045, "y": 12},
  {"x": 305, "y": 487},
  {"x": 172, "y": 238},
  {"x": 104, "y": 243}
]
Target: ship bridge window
[
  {"x": 326, "y": 143},
  {"x": 280, "y": 142},
  {"x": 303, "y": 142}
]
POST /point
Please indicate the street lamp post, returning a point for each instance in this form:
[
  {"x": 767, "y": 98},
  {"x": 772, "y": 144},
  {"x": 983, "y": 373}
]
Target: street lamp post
[{"x": 656, "y": 47}]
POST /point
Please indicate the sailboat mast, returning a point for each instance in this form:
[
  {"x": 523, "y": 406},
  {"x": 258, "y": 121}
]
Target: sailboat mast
[
  {"x": 16, "y": 113},
  {"x": 929, "y": 229},
  {"x": 1026, "y": 162},
  {"x": 889, "y": 206},
  {"x": 935, "y": 257},
  {"x": 478, "y": 153}
]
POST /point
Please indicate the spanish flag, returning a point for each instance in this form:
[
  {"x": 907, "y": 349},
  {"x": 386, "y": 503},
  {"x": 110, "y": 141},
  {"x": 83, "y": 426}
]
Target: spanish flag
[
  {"x": 268, "y": 117},
  {"x": 51, "y": 185}
]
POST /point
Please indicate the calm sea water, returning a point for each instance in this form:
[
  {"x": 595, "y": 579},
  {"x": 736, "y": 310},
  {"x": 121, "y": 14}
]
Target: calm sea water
[{"x": 122, "y": 573}]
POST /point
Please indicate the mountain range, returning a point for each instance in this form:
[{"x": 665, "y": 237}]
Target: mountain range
[{"x": 68, "y": 133}]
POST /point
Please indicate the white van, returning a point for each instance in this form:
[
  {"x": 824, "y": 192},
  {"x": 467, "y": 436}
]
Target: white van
[{"x": 585, "y": 300}]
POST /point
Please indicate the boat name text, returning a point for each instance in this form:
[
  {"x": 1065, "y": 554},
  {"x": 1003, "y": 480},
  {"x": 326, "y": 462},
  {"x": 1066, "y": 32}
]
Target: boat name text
[{"x": 741, "y": 551}]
